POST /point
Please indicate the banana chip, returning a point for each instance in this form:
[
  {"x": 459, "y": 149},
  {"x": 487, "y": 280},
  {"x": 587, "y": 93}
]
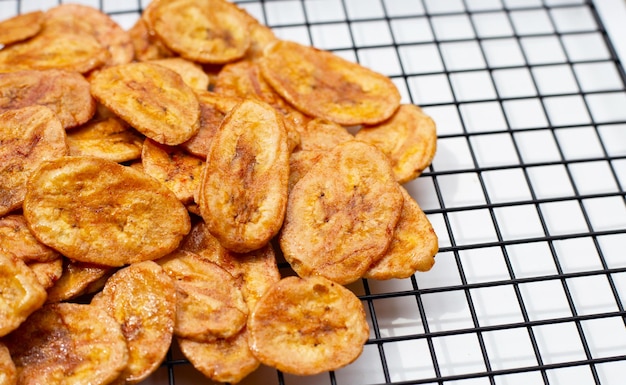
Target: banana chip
[
  {"x": 205, "y": 31},
  {"x": 307, "y": 326},
  {"x": 67, "y": 343},
  {"x": 324, "y": 135},
  {"x": 16, "y": 237},
  {"x": 409, "y": 139},
  {"x": 244, "y": 189},
  {"x": 300, "y": 162},
  {"x": 146, "y": 45},
  {"x": 77, "y": 279},
  {"x": 66, "y": 93},
  {"x": 47, "y": 273},
  {"x": 21, "y": 293},
  {"x": 193, "y": 75},
  {"x": 209, "y": 304},
  {"x": 142, "y": 299},
  {"x": 324, "y": 85},
  {"x": 28, "y": 137},
  {"x": 20, "y": 27},
  {"x": 151, "y": 98},
  {"x": 8, "y": 372},
  {"x": 341, "y": 214},
  {"x": 97, "y": 211}
]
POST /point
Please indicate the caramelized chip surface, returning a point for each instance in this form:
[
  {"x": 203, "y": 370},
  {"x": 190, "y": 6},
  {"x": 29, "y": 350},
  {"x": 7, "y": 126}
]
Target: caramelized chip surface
[
  {"x": 324, "y": 85},
  {"x": 97, "y": 211},
  {"x": 341, "y": 214},
  {"x": 244, "y": 188},
  {"x": 307, "y": 326},
  {"x": 20, "y": 27},
  {"x": 151, "y": 98}
]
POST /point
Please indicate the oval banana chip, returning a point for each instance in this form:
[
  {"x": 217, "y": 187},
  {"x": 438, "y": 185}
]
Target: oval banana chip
[
  {"x": 413, "y": 247},
  {"x": 142, "y": 299},
  {"x": 16, "y": 237},
  {"x": 341, "y": 214},
  {"x": 205, "y": 31},
  {"x": 20, "y": 27},
  {"x": 151, "y": 98},
  {"x": 307, "y": 326},
  {"x": 21, "y": 293},
  {"x": 94, "y": 210},
  {"x": 66, "y": 93},
  {"x": 244, "y": 188},
  {"x": 68, "y": 343},
  {"x": 324, "y": 85},
  {"x": 193, "y": 75},
  {"x": 408, "y": 138},
  {"x": 28, "y": 137}
]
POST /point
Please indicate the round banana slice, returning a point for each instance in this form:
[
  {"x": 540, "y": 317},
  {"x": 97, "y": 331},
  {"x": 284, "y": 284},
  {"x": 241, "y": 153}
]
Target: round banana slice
[
  {"x": 341, "y": 214},
  {"x": 413, "y": 247},
  {"x": 97, "y": 211},
  {"x": 307, "y": 326},
  {"x": 151, "y": 98},
  {"x": 205, "y": 31},
  {"x": 16, "y": 237},
  {"x": 20, "y": 295},
  {"x": 324, "y": 135},
  {"x": 244, "y": 188},
  {"x": 28, "y": 137},
  {"x": 193, "y": 75},
  {"x": 324, "y": 85},
  {"x": 77, "y": 279},
  {"x": 142, "y": 298},
  {"x": 408, "y": 138},
  {"x": 66, "y": 93},
  {"x": 8, "y": 372},
  {"x": 20, "y": 27},
  {"x": 68, "y": 343}
]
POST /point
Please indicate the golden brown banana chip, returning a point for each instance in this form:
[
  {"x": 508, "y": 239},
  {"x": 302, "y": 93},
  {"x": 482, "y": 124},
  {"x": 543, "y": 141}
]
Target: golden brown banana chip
[
  {"x": 107, "y": 138},
  {"x": 307, "y": 326},
  {"x": 28, "y": 137},
  {"x": 151, "y": 98},
  {"x": 205, "y": 31},
  {"x": 8, "y": 372},
  {"x": 66, "y": 93},
  {"x": 20, "y": 27},
  {"x": 260, "y": 37},
  {"x": 68, "y": 343},
  {"x": 16, "y": 237},
  {"x": 175, "y": 168},
  {"x": 213, "y": 109},
  {"x": 193, "y": 74},
  {"x": 142, "y": 299},
  {"x": 209, "y": 305},
  {"x": 77, "y": 279},
  {"x": 324, "y": 85},
  {"x": 67, "y": 51},
  {"x": 320, "y": 134},
  {"x": 244, "y": 188},
  {"x": 224, "y": 360},
  {"x": 341, "y": 214},
  {"x": 147, "y": 46},
  {"x": 408, "y": 138},
  {"x": 94, "y": 210},
  {"x": 300, "y": 162},
  {"x": 47, "y": 272},
  {"x": 20, "y": 292},
  {"x": 81, "y": 19},
  {"x": 413, "y": 247}
]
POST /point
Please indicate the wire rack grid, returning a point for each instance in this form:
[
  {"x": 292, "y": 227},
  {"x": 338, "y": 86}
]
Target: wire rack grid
[{"x": 526, "y": 192}]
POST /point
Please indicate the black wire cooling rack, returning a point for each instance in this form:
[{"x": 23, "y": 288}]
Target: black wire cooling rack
[{"x": 526, "y": 192}]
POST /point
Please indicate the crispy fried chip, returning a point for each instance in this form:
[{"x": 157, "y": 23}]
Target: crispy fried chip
[
  {"x": 205, "y": 31},
  {"x": 413, "y": 247},
  {"x": 107, "y": 138},
  {"x": 175, "y": 168},
  {"x": 209, "y": 304},
  {"x": 409, "y": 139},
  {"x": 213, "y": 109},
  {"x": 341, "y": 214},
  {"x": 67, "y": 343},
  {"x": 151, "y": 98},
  {"x": 142, "y": 298},
  {"x": 66, "y": 93},
  {"x": 320, "y": 134},
  {"x": 28, "y": 137},
  {"x": 307, "y": 326},
  {"x": 8, "y": 372},
  {"x": 16, "y": 237},
  {"x": 47, "y": 272},
  {"x": 20, "y": 27},
  {"x": 76, "y": 279},
  {"x": 94, "y": 210},
  {"x": 300, "y": 162},
  {"x": 20, "y": 295},
  {"x": 193, "y": 74},
  {"x": 327, "y": 86},
  {"x": 81, "y": 19},
  {"x": 225, "y": 360},
  {"x": 147, "y": 46},
  {"x": 244, "y": 189}
]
